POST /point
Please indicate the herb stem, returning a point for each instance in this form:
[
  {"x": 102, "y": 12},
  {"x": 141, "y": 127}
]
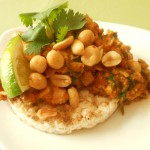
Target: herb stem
[{"x": 49, "y": 30}]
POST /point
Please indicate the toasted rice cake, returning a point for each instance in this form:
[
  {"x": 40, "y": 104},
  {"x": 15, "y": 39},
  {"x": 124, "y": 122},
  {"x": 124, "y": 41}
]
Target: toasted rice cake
[{"x": 91, "y": 111}]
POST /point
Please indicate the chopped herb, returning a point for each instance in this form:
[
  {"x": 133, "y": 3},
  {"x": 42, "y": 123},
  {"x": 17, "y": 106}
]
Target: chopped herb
[
  {"x": 125, "y": 54},
  {"x": 75, "y": 74},
  {"x": 111, "y": 79},
  {"x": 122, "y": 94},
  {"x": 115, "y": 35},
  {"x": 74, "y": 79},
  {"x": 41, "y": 100},
  {"x": 131, "y": 82},
  {"x": 100, "y": 36},
  {"x": 77, "y": 59}
]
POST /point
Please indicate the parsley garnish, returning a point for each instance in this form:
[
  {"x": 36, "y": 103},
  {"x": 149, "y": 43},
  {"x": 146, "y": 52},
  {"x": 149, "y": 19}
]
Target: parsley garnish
[{"x": 52, "y": 25}]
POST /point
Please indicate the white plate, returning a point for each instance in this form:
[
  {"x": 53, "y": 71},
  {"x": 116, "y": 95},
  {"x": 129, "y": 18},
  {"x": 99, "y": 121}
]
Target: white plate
[{"x": 128, "y": 132}]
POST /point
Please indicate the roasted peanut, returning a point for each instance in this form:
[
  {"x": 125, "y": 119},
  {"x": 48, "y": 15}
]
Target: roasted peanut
[
  {"x": 86, "y": 37},
  {"x": 134, "y": 66},
  {"x": 77, "y": 47},
  {"x": 73, "y": 97},
  {"x": 64, "y": 44},
  {"x": 92, "y": 55},
  {"x": 61, "y": 80},
  {"x": 46, "y": 112},
  {"x": 38, "y": 63},
  {"x": 55, "y": 59},
  {"x": 111, "y": 58},
  {"x": 37, "y": 81}
]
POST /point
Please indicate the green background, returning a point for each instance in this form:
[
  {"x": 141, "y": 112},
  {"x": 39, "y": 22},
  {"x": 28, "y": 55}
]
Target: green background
[{"x": 129, "y": 12}]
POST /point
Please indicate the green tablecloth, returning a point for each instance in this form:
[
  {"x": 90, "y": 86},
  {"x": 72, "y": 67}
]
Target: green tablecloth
[{"x": 129, "y": 12}]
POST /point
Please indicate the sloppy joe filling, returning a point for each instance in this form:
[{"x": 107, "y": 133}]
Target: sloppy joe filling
[{"x": 86, "y": 59}]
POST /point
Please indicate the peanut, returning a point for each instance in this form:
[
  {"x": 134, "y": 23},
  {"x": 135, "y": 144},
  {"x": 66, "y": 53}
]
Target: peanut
[
  {"x": 61, "y": 80},
  {"x": 73, "y": 97},
  {"x": 111, "y": 58},
  {"x": 55, "y": 59},
  {"x": 86, "y": 37},
  {"x": 92, "y": 55},
  {"x": 77, "y": 47},
  {"x": 37, "y": 81},
  {"x": 46, "y": 112},
  {"x": 38, "y": 63},
  {"x": 64, "y": 44}
]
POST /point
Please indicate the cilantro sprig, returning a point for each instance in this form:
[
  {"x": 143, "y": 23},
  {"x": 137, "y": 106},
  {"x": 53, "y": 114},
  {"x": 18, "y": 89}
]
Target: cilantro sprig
[
  {"x": 49, "y": 26},
  {"x": 28, "y": 19},
  {"x": 67, "y": 21}
]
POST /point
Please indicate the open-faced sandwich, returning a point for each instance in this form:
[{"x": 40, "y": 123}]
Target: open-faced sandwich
[{"x": 64, "y": 73}]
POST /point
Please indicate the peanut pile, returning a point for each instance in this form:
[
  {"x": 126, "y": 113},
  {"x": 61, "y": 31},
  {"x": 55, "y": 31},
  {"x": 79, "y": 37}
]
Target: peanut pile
[
  {"x": 44, "y": 66},
  {"x": 87, "y": 59}
]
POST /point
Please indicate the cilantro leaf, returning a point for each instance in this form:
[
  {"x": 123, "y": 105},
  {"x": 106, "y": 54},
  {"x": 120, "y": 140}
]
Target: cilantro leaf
[
  {"x": 42, "y": 34},
  {"x": 61, "y": 33},
  {"x": 35, "y": 47},
  {"x": 28, "y": 19},
  {"x": 52, "y": 25},
  {"x": 35, "y": 34},
  {"x": 75, "y": 20},
  {"x": 69, "y": 19},
  {"x": 36, "y": 37}
]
